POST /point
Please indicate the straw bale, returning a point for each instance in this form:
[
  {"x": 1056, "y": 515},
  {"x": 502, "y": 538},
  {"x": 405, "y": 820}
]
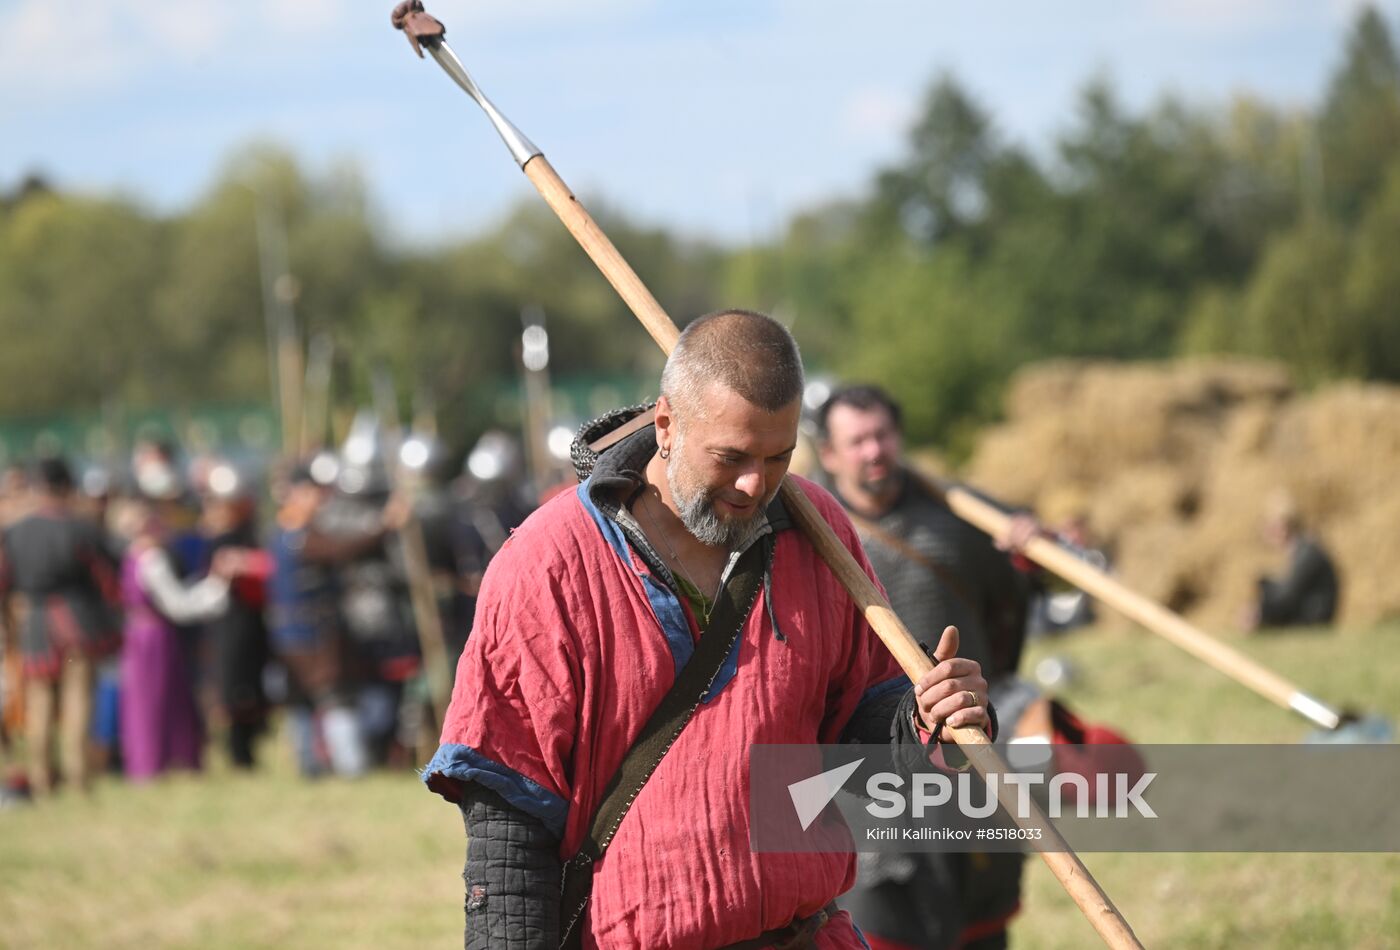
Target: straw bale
[
  {"x": 1059, "y": 503},
  {"x": 1051, "y": 383},
  {"x": 1141, "y": 495},
  {"x": 1086, "y": 420},
  {"x": 1173, "y": 464},
  {"x": 1367, "y": 549},
  {"x": 1145, "y": 559},
  {"x": 932, "y": 463}
]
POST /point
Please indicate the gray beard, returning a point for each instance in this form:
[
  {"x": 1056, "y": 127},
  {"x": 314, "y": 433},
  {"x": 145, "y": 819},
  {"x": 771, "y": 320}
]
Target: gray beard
[{"x": 698, "y": 514}]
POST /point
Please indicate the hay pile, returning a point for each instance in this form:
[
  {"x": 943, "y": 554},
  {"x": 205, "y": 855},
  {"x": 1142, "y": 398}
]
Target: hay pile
[{"x": 1173, "y": 464}]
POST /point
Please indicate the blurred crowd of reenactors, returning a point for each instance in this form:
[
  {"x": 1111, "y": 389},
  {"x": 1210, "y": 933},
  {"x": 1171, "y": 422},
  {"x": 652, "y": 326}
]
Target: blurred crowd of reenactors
[{"x": 190, "y": 601}]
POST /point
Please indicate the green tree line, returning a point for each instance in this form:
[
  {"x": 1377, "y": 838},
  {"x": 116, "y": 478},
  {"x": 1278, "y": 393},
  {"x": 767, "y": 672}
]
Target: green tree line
[{"x": 1245, "y": 228}]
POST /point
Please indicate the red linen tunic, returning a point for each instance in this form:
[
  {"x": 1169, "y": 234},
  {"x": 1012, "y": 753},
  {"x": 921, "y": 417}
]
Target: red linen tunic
[{"x": 575, "y": 643}]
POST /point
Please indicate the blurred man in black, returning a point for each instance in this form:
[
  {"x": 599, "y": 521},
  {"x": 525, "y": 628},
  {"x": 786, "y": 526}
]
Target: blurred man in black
[
  {"x": 938, "y": 570},
  {"x": 237, "y": 639},
  {"x": 1306, "y": 594},
  {"x": 59, "y": 585}
]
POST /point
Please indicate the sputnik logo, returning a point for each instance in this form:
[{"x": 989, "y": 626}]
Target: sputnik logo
[
  {"x": 811, "y": 795},
  {"x": 892, "y": 795}
]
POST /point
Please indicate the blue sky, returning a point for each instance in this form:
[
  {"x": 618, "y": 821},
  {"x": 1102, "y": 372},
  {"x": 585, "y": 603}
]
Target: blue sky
[{"x": 718, "y": 118}]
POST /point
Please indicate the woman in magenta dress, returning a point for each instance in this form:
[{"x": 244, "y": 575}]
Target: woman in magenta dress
[{"x": 161, "y": 728}]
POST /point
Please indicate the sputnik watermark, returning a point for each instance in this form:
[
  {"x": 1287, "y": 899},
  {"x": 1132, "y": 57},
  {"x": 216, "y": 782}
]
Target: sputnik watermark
[
  {"x": 1109, "y": 797},
  {"x": 1114, "y": 795}
]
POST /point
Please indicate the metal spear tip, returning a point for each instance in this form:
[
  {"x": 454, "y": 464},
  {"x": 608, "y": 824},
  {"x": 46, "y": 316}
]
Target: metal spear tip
[
  {"x": 1355, "y": 728},
  {"x": 420, "y": 28}
]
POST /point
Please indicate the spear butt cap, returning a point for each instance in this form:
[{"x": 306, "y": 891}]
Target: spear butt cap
[{"x": 420, "y": 28}]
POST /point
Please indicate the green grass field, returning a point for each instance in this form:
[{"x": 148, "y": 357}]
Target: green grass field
[
  {"x": 1155, "y": 693},
  {"x": 224, "y": 860}
]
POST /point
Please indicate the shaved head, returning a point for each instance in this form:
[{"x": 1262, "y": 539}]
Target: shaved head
[{"x": 746, "y": 352}]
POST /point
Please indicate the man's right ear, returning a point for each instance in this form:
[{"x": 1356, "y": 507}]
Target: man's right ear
[{"x": 665, "y": 421}]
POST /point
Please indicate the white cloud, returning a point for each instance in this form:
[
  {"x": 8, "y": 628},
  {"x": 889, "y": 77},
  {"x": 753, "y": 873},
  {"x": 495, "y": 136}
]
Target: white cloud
[
  {"x": 1215, "y": 15},
  {"x": 1344, "y": 11},
  {"x": 44, "y": 47},
  {"x": 51, "y": 52},
  {"x": 875, "y": 112},
  {"x": 477, "y": 13},
  {"x": 188, "y": 30},
  {"x": 1241, "y": 16},
  {"x": 279, "y": 16}
]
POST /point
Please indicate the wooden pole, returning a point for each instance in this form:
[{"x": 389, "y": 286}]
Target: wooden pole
[
  {"x": 1148, "y": 613},
  {"x": 279, "y": 289},
  {"x": 289, "y": 360},
  {"x": 316, "y": 394},
  {"x": 422, "y": 595}
]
